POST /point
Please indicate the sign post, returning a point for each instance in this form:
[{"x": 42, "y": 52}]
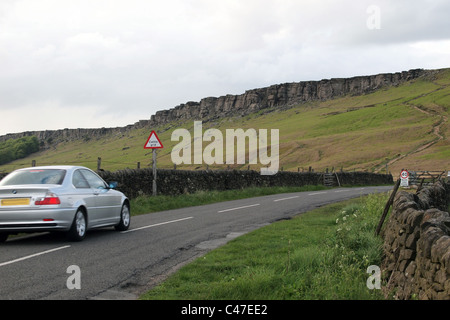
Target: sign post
[
  {"x": 404, "y": 176},
  {"x": 153, "y": 143}
]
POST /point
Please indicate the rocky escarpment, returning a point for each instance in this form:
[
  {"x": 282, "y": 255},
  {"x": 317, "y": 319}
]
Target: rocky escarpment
[
  {"x": 276, "y": 96},
  {"x": 52, "y": 137},
  {"x": 284, "y": 95}
]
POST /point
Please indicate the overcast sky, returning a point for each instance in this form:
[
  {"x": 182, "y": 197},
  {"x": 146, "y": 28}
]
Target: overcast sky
[{"x": 108, "y": 63}]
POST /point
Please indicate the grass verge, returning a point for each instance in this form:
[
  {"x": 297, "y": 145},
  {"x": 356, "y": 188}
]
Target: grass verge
[
  {"x": 322, "y": 254},
  {"x": 147, "y": 204}
]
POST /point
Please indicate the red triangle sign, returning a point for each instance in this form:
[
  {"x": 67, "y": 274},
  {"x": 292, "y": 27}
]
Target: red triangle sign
[{"x": 153, "y": 142}]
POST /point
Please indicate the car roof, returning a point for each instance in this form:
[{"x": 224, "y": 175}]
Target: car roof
[{"x": 63, "y": 167}]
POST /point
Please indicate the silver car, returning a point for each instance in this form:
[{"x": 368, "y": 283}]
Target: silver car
[{"x": 72, "y": 199}]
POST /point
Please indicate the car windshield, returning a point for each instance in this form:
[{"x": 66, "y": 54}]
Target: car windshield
[{"x": 34, "y": 176}]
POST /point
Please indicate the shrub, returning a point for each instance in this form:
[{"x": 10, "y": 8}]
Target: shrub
[{"x": 13, "y": 149}]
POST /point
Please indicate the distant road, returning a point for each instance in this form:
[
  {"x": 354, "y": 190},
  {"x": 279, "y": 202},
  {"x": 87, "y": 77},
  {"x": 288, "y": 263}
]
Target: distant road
[{"x": 115, "y": 265}]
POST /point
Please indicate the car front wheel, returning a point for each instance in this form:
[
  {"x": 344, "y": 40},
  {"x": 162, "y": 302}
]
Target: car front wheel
[
  {"x": 77, "y": 231},
  {"x": 125, "y": 218}
]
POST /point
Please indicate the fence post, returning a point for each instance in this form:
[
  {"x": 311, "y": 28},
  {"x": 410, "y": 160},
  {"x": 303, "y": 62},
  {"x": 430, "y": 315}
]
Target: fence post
[
  {"x": 33, "y": 163},
  {"x": 386, "y": 208},
  {"x": 99, "y": 163}
]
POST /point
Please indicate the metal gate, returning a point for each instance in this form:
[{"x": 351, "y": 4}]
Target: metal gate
[{"x": 425, "y": 177}]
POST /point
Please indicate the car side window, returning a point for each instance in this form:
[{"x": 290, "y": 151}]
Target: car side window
[
  {"x": 94, "y": 181},
  {"x": 79, "y": 181}
]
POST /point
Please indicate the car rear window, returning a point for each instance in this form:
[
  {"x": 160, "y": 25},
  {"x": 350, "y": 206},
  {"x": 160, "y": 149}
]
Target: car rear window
[{"x": 34, "y": 176}]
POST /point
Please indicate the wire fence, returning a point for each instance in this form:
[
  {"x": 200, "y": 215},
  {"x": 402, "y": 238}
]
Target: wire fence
[
  {"x": 98, "y": 164},
  {"x": 101, "y": 165}
]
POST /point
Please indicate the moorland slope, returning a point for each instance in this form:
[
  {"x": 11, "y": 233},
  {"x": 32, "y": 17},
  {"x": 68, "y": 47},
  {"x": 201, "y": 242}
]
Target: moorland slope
[{"x": 392, "y": 121}]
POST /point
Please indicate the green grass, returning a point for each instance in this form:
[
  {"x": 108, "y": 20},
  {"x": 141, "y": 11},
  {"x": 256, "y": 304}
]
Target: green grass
[
  {"x": 147, "y": 204},
  {"x": 323, "y": 254}
]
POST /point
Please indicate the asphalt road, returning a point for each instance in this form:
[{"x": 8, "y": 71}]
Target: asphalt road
[{"x": 120, "y": 265}]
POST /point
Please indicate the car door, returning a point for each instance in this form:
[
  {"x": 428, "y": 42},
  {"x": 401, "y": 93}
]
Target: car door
[
  {"x": 107, "y": 201},
  {"x": 85, "y": 193}
]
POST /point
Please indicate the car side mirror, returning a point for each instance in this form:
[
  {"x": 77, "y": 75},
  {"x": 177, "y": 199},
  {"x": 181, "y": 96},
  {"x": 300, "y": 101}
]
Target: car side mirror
[{"x": 113, "y": 185}]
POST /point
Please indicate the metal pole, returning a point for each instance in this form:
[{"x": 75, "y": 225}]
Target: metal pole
[{"x": 154, "y": 172}]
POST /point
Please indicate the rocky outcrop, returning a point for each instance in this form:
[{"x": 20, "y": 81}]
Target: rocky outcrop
[
  {"x": 276, "y": 96},
  {"x": 51, "y": 137},
  {"x": 417, "y": 245},
  {"x": 283, "y": 95}
]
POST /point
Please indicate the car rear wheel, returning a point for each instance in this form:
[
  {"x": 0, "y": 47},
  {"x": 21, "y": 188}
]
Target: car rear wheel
[
  {"x": 77, "y": 231},
  {"x": 125, "y": 218}
]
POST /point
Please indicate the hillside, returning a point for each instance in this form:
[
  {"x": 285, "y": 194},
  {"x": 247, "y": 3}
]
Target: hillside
[{"x": 361, "y": 123}]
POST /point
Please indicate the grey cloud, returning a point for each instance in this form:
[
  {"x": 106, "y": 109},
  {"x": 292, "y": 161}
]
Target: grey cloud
[{"x": 144, "y": 56}]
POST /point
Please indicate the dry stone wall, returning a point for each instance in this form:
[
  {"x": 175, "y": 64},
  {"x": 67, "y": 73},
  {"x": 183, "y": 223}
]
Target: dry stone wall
[
  {"x": 134, "y": 182},
  {"x": 417, "y": 245}
]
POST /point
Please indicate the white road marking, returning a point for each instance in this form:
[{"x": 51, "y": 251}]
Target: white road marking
[
  {"x": 238, "y": 208},
  {"x": 32, "y": 256},
  {"x": 282, "y": 199},
  {"x": 316, "y": 193},
  {"x": 341, "y": 190},
  {"x": 157, "y": 224}
]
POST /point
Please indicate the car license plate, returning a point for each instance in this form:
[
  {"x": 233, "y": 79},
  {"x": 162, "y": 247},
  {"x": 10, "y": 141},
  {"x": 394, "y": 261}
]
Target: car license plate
[{"x": 15, "y": 202}]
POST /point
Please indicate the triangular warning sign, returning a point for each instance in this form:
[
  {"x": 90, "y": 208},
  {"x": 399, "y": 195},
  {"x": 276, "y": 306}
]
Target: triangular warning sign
[{"x": 153, "y": 142}]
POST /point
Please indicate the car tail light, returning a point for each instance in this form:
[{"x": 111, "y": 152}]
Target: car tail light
[{"x": 49, "y": 199}]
